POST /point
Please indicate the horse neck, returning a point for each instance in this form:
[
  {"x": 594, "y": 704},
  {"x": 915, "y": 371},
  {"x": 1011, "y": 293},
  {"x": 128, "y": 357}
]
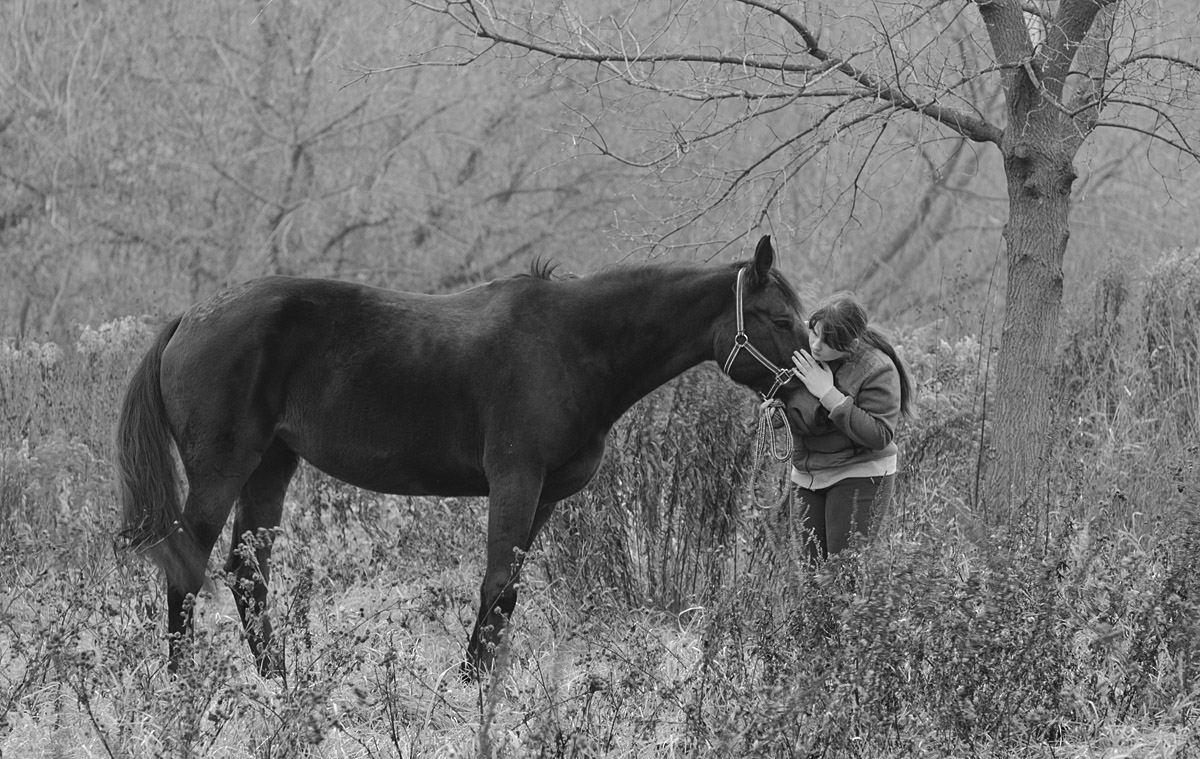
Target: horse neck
[{"x": 659, "y": 328}]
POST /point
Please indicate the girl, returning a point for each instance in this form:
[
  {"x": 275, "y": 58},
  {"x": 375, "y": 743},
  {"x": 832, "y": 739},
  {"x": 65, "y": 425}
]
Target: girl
[{"x": 843, "y": 418}]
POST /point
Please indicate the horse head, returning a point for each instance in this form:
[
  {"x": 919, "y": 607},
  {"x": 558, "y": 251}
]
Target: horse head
[{"x": 767, "y": 325}]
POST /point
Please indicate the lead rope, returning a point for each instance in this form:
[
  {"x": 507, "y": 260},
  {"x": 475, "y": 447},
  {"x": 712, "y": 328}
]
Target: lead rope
[
  {"x": 772, "y": 424},
  {"x": 774, "y": 433}
]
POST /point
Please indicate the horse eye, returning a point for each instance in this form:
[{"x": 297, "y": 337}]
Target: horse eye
[{"x": 784, "y": 324}]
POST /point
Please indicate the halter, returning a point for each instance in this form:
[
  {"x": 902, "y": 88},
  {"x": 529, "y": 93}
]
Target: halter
[{"x": 742, "y": 340}]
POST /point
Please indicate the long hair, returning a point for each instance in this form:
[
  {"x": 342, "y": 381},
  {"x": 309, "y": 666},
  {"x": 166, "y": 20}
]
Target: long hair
[{"x": 843, "y": 320}]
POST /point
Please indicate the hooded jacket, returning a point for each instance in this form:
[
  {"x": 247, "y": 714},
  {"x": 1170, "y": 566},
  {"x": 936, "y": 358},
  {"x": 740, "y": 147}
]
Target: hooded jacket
[{"x": 856, "y": 436}]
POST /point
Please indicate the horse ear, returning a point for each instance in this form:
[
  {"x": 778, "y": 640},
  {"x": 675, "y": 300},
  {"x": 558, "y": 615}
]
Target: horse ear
[{"x": 764, "y": 259}]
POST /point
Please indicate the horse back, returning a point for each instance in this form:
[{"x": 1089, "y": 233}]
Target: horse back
[{"x": 393, "y": 391}]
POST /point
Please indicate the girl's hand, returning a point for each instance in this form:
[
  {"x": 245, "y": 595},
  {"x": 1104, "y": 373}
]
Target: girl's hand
[{"x": 816, "y": 376}]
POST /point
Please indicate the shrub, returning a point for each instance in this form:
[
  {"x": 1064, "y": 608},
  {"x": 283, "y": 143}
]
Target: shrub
[
  {"x": 678, "y": 617},
  {"x": 1172, "y": 329},
  {"x": 940, "y": 444},
  {"x": 658, "y": 523}
]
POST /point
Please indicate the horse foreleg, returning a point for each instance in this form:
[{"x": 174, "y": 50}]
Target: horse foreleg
[{"x": 511, "y": 515}]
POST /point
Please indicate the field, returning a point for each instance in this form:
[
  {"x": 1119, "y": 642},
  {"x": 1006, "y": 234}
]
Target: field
[{"x": 665, "y": 612}]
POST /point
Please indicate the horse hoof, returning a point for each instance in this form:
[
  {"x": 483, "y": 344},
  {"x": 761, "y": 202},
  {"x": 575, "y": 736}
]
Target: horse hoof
[{"x": 475, "y": 668}]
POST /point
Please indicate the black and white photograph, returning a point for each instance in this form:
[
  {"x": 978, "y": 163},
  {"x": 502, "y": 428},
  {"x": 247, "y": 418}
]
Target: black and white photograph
[{"x": 589, "y": 379}]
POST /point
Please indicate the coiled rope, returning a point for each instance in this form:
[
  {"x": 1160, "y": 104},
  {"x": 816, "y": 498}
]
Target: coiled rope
[{"x": 774, "y": 434}]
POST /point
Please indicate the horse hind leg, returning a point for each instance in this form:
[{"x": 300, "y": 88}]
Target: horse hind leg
[
  {"x": 248, "y": 568},
  {"x": 207, "y": 508}
]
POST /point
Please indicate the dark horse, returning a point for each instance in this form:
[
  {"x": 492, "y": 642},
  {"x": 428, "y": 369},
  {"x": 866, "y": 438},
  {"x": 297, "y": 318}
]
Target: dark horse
[{"x": 507, "y": 390}]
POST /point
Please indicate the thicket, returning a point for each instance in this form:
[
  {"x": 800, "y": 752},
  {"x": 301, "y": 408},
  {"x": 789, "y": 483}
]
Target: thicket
[
  {"x": 936, "y": 640},
  {"x": 666, "y": 611}
]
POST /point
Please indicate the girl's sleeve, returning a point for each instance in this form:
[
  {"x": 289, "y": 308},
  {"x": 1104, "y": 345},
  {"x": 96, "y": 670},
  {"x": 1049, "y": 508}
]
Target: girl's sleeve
[
  {"x": 870, "y": 417},
  {"x": 800, "y": 405}
]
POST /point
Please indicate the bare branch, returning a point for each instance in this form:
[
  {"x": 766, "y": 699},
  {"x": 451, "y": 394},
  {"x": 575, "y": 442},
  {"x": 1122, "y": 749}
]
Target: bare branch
[
  {"x": 798, "y": 163},
  {"x": 969, "y": 126},
  {"x": 1090, "y": 71},
  {"x": 340, "y": 236},
  {"x": 801, "y": 161},
  {"x": 1182, "y": 146},
  {"x": 622, "y": 62},
  {"x": 683, "y": 145},
  {"x": 1172, "y": 59},
  {"x": 944, "y": 181},
  {"x": 930, "y": 59},
  {"x": 1067, "y": 31},
  {"x": 484, "y": 30},
  {"x": 1181, "y": 143}
]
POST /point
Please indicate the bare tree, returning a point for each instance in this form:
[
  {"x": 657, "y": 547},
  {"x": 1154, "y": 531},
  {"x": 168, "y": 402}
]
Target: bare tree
[
  {"x": 766, "y": 88},
  {"x": 186, "y": 146}
]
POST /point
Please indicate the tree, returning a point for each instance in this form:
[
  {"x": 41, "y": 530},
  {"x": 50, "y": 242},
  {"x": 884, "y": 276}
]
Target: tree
[
  {"x": 186, "y": 146},
  {"x": 771, "y": 85}
]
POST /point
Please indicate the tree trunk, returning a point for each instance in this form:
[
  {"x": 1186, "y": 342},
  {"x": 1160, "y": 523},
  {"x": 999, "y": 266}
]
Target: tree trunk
[
  {"x": 1039, "y": 171},
  {"x": 1053, "y": 98}
]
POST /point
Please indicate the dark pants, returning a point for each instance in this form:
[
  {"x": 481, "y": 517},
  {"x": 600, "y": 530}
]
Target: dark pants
[{"x": 830, "y": 518}]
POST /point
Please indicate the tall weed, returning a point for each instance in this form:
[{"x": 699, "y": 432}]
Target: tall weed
[
  {"x": 659, "y": 523},
  {"x": 667, "y": 611}
]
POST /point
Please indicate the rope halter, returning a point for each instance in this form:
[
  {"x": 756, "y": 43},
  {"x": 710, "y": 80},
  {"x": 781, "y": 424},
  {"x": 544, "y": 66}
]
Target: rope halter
[
  {"x": 742, "y": 341},
  {"x": 771, "y": 421}
]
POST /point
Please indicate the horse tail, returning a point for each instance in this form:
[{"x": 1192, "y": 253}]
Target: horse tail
[{"x": 149, "y": 481}]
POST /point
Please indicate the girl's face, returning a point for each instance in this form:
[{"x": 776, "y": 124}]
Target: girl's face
[{"x": 817, "y": 347}]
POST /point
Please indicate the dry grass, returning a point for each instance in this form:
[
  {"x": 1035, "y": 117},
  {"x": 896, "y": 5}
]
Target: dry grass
[{"x": 665, "y": 614}]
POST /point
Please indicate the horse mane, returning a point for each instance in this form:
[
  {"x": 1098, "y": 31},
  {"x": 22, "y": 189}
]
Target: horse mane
[
  {"x": 542, "y": 268},
  {"x": 547, "y": 269}
]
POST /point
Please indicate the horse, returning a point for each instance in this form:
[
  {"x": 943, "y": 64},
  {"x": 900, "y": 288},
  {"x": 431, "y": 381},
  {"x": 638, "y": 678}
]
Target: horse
[{"x": 507, "y": 390}]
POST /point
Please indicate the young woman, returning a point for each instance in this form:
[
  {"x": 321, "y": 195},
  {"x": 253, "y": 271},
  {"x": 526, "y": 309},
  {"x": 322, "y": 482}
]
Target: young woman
[{"x": 843, "y": 418}]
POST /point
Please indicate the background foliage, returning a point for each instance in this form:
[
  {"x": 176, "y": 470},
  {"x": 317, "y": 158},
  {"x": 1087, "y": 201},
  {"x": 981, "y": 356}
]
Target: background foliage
[{"x": 188, "y": 146}]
